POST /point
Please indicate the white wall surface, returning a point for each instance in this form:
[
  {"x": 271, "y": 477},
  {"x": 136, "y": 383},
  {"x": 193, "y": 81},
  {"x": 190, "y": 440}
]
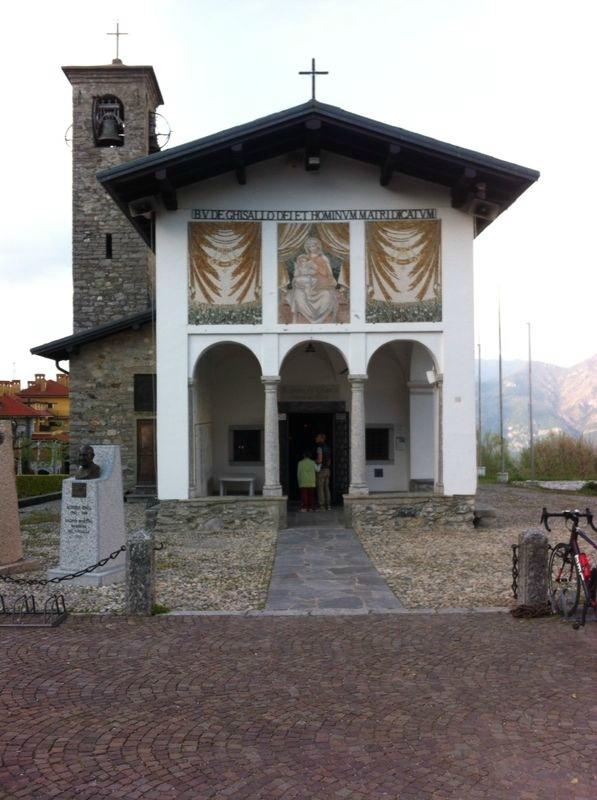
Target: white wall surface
[
  {"x": 283, "y": 184},
  {"x": 171, "y": 357}
]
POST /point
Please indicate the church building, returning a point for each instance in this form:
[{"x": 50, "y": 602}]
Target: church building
[{"x": 306, "y": 273}]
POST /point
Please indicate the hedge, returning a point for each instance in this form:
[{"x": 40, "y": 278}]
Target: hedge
[{"x": 32, "y": 485}]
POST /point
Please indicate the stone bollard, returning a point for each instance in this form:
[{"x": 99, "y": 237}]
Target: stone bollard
[
  {"x": 533, "y": 554},
  {"x": 140, "y": 573}
]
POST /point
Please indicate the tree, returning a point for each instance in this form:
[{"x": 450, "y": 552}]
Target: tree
[{"x": 559, "y": 456}]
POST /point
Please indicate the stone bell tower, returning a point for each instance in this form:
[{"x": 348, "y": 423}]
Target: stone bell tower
[{"x": 113, "y": 122}]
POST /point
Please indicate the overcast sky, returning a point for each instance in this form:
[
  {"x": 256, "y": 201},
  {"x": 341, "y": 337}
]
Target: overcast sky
[{"x": 513, "y": 79}]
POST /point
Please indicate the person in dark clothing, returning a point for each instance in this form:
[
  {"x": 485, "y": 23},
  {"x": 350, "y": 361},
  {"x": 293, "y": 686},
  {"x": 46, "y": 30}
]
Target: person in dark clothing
[{"x": 323, "y": 459}]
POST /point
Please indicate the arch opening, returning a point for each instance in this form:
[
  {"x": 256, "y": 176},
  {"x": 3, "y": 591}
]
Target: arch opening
[
  {"x": 314, "y": 400},
  {"x": 401, "y": 419},
  {"x": 226, "y": 419}
]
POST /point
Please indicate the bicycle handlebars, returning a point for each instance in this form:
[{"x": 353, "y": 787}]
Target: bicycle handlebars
[{"x": 572, "y": 516}]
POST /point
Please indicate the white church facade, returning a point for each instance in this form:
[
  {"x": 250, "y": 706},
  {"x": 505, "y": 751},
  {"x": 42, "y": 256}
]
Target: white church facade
[{"x": 313, "y": 274}]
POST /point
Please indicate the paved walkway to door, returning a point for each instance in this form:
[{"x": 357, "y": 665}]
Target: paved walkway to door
[{"x": 323, "y": 568}]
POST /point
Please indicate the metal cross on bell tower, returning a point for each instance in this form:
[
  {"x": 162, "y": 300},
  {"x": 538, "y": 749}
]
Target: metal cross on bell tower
[
  {"x": 118, "y": 34},
  {"x": 313, "y": 72}
]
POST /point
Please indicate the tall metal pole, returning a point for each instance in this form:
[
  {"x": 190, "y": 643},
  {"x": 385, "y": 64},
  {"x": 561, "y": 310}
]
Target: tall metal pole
[
  {"x": 531, "y": 442},
  {"x": 502, "y": 457}
]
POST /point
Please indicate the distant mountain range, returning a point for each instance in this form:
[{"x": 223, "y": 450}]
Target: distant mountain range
[{"x": 564, "y": 399}]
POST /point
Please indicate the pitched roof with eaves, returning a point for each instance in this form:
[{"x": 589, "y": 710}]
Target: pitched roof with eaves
[{"x": 326, "y": 127}]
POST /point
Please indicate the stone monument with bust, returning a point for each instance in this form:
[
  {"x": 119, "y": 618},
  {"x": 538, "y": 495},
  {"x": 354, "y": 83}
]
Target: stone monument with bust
[
  {"x": 92, "y": 519},
  {"x": 88, "y": 469}
]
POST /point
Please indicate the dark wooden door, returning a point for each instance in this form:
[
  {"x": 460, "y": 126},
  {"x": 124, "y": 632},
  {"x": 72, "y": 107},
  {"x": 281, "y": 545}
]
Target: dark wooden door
[
  {"x": 283, "y": 434},
  {"x": 341, "y": 457},
  {"x": 146, "y": 451},
  {"x": 302, "y": 430}
]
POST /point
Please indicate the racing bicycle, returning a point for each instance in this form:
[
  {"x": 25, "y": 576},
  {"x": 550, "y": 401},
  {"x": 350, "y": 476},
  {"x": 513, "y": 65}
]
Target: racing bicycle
[{"x": 570, "y": 569}]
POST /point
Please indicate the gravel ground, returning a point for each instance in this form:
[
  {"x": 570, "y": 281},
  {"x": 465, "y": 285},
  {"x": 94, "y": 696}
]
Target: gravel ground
[
  {"x": 472, "y": 569},
  {"x": 220, "y": 574},
  {"x": 440, "y": 570}
]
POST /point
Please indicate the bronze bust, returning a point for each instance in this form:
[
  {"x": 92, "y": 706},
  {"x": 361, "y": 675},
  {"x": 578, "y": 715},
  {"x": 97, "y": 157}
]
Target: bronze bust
[{"x": 88, "y": 470}]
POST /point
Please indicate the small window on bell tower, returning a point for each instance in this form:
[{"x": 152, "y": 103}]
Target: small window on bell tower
[{"x": 108, "y": 121}]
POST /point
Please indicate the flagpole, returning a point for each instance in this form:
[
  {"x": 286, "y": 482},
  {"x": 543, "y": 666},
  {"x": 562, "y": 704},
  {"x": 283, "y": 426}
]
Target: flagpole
[
  {"x": 502, "y": 457},
  {"x": 531, "y": 441}
]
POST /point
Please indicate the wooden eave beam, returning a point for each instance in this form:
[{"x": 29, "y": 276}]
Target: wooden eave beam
[
  {"x": 312, "y": 144},
  {"x": 463, "y": 187},
  {"x": 166, "y": 190},
  {"x": 389, "y": 165},
  {"x": 238, "y": 159}
]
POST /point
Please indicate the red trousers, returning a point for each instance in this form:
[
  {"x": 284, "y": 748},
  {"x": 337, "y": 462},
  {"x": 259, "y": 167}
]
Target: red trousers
[{"x": 307, "y": 498}]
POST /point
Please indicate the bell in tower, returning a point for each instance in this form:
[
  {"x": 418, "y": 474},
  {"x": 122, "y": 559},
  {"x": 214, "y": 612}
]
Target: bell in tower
[{"x": 108, "y": 121}]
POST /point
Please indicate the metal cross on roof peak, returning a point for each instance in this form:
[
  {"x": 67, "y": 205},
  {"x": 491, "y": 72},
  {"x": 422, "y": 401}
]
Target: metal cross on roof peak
[
  {"x": 118, "y": 34},
  {"x": 313, "y": 72}
]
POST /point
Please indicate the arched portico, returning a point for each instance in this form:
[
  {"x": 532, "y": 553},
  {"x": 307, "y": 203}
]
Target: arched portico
[
  {"x": 401, "y": 400},
  {"x": 382, "y": 424},
  {"x": 314, "y": 398},
  {"x": 227, "y": 417}
]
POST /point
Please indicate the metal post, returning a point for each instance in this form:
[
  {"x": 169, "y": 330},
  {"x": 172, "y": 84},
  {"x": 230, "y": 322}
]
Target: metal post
[
  {"x": 502, "y": 474},
  {"x": 531, "y": 442},
  {"x": 502, "y": 460}
]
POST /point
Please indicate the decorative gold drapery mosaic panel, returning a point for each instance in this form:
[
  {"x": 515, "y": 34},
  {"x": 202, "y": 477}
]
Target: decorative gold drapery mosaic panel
[
  {"x": 224, "y": 273},
  {"x": 404, "y": 271}
]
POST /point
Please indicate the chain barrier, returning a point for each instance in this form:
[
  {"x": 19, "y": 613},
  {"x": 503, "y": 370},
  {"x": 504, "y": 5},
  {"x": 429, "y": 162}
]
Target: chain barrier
[
  {"x": 515, "y": 568},
  {"x": 60, "y": 578},
  {"x": 528, "y": 612}
]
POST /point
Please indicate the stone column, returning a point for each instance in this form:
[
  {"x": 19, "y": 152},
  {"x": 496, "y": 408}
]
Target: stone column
[
  {"x": 272, "y": 486},
  {"x": 439, "y": 484},
  {"x": 358, "y": 466},
  {"x": 533, "y": 553},
  {"x": 140, "y": 573}
]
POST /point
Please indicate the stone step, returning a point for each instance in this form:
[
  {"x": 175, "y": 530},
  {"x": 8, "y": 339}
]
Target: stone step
[{"x": 482, "y": 515}]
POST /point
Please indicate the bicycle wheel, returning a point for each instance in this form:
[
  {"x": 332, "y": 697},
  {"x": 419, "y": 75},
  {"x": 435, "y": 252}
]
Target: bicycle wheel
[{"x": 564, "y": 587}]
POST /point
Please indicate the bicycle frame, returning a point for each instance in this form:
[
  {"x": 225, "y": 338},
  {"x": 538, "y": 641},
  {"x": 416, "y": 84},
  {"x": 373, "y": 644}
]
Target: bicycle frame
[
  {"x": 589, "y": 587},
  {"x": 574, "y": 534}
]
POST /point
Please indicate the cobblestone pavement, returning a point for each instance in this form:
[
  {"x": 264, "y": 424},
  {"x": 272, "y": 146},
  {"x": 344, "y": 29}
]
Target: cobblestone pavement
[
  {"x": 325, "y": 568},
  {"x": 415, "y": 707}
]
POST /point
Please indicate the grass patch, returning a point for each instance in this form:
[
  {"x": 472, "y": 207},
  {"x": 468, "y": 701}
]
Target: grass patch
[
  {"x": 158, "y": 608},
  {"x": 34, "y": 485},
  {"x": 39, "y": 518}
]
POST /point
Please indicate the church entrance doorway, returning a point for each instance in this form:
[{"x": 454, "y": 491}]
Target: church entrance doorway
[
  {"x": 146, "y": 473},
  {"x": 298, "y": 429}
]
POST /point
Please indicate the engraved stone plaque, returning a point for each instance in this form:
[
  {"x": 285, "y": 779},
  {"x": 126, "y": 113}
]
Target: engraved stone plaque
[{"x": 79, "y": 490}]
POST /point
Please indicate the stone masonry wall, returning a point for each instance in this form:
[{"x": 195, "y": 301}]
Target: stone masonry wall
[
  {"x": 107, "y": 288},
  {"x": 102, "y": 394},
  {"x": 406, "y": 512},
  {"x": 192, "y": 518}
]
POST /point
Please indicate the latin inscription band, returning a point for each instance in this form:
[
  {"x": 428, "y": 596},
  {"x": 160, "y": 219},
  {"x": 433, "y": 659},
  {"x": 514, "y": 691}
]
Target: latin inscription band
[{"x": 313, "y": 215}]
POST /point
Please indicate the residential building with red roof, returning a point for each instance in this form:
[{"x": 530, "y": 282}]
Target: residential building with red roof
[
  {"x": 51, "y": 396},
  {"x": 23, "y": 416}
]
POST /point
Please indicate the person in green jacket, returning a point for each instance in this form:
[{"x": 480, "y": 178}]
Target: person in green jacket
[{"x": 306, "y": 474}]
